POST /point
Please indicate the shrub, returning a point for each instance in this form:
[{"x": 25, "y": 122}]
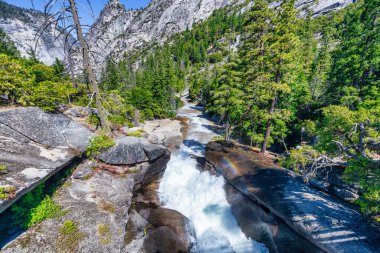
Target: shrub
[
  {"x": 32, "y": 84},
  {"x": 99, "y": 143},
  {"x": 366, "y": 173},
  {"x": 116, "y": 119},
  {"x": 93, "y": 119},
  {"x": 216, "y": 57},
  {"x": 47, "y": 209},
  {"x": 47, "y": 95},
  {"x": 299, "y": 158}
]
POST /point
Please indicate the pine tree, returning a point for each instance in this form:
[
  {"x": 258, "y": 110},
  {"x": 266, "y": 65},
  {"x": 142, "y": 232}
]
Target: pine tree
[
  {"x": 282, "y": 61},
  {"x": 356, "y": 65},
  {"x": 270, "y": 59},
  {"x": 228, "y": 97}
]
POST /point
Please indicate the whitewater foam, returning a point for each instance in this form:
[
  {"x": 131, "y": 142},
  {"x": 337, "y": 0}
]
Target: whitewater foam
[{"x": 200, "y": 196}]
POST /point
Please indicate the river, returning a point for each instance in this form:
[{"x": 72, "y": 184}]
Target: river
[{"x": 199, "y": 195}]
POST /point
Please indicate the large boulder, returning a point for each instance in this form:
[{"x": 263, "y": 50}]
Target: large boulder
[
  {"x": 165, "y": 132},
  {"x": 323, "y": 220},
  {"x": 132, "y": 150},
  {"x": 34, "y": 145},
  {"x": 97, "y": 199},
  {"x": 158, "y": 230}
]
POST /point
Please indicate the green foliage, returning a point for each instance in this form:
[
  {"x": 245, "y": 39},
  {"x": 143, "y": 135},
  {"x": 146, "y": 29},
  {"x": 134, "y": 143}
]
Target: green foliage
[
  {"x": 136, "y": 133},
  {"x": 69, "y": 227},
  {"x": 5, "y": 192},
  {"x": 366, "y": 173},
  {"x": 93, "y": 119},
  {"x": 13, "y": 12},
  {"x": 152, "y": 88},
  {"x": 299, "y": 158},
  {"x": 7, "y": 46},
  {"x": 35, "y": 207},
  {"x": 99, "y": 143},
  {"x": 45, "y": 210},
  {"x": 346, "y": 131},
  {"x": 355, "y": 65},
  {"x": 32, "y": 84},
  {"x": 58, "y": 67}
]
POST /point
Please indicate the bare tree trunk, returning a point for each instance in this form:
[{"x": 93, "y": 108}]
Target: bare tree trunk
[
  {"x": 71, "y": 70},
  {"x": 88, "y": 68},
  {"x": 269, "y": 124},
  {"x": 227, "y": 131}
]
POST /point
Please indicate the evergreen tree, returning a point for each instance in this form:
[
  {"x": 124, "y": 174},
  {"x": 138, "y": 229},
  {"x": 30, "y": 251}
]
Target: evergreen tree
[
  {"x": 356, "y": 65},
  {"x": 59, "y": 68},
  {"x": 227, "y": 98}
]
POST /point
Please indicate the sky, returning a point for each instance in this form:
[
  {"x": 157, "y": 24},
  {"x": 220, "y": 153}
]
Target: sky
[{"x": 84, "y": 10}]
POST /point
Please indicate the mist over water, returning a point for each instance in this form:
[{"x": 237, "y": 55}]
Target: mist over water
[{"x": 200, "y": 196}]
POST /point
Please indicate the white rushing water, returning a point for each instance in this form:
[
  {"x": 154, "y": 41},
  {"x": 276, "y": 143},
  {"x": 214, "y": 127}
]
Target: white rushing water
[{"x": 200, "y": 196}]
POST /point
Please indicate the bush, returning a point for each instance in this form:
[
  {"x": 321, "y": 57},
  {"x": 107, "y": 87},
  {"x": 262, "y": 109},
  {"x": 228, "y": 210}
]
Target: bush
[
  {"x": 47, "y": 209},
  {"x": 93, "y": 119},
  {"x": 47, "y": 95},
  {"x": 117, "y": 120},
  {"x": 216, "y": 57},
  {"x": 366, "y": 173},
  {"x": 99, "y": 143},
  {"x": 299, "y": 158},
  {"x": 32, "y": 84}
]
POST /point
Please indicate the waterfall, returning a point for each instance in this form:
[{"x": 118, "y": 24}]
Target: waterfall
[{"x": 200, "y": 196}]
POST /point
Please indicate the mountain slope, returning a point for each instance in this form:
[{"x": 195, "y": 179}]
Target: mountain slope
[
  {"x": 22, "y": 25},
  {"x": 118, "y": 31}
]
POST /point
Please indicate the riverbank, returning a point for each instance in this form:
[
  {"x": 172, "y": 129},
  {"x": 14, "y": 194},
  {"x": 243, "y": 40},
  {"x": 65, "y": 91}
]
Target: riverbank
[
  {"x": 328, "y": 223},
  {"x": 98, "y": 199}
]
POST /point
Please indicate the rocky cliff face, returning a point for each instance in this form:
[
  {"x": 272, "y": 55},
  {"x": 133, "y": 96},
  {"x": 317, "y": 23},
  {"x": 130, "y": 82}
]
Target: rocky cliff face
[
  {"x": 22, "y": 25},
  {"x": 322, "y": 7},
  {"x": 118, "y": 31}
]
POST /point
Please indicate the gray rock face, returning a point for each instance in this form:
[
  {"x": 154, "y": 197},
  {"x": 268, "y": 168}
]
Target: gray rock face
[
  {"x": 323, "y": 6},
  {"x": 329, "y": 224},
  {"x": 35, "y": 145},
  {"x": 98, "y": 202},
  {"x": 22, "y": 27},
  {"x": 118, "y": 31},
  {"x": 131, "y": 150}
]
